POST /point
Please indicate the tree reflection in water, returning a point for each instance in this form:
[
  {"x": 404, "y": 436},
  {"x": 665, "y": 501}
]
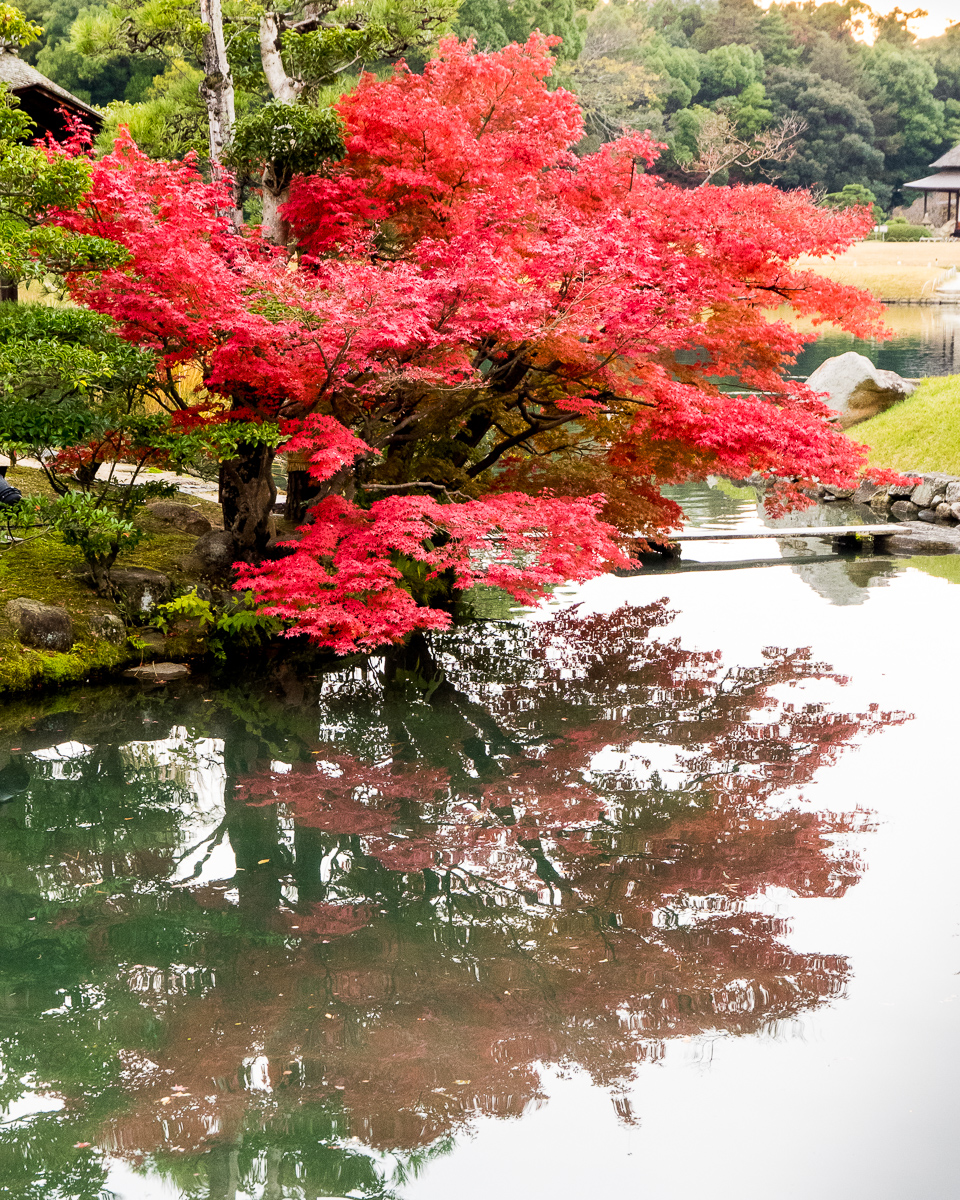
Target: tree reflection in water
[{"x": 516, "y": 845}]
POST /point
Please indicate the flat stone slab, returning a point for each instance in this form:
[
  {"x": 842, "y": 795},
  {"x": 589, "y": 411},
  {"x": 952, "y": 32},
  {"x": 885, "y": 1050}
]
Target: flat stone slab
[
  {"x": 920, "y": 537},
  {"x": 160, "y": 672},
  {"x": 783, "y": 535}
]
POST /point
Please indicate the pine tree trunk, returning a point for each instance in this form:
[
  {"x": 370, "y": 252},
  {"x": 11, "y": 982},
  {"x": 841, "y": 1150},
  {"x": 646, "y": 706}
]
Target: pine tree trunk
[{"x": 247, "y": 495}]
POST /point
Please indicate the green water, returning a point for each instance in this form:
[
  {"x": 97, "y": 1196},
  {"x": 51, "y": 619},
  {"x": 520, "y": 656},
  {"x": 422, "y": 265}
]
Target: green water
[{"x": 500, "y": 914}]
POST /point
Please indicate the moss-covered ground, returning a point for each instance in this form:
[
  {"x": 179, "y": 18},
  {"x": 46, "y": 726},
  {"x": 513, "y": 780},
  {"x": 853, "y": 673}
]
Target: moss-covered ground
[
  {"x": 921, "y": 433},
  {"x": 47, "y": 570}
]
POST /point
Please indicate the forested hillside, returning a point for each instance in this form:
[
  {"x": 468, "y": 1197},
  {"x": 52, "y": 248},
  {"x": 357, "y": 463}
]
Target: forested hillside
[{"x": 735, "y": 92}]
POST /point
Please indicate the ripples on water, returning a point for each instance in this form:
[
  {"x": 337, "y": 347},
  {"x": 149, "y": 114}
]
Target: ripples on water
[{"x": 535, "y": 908}]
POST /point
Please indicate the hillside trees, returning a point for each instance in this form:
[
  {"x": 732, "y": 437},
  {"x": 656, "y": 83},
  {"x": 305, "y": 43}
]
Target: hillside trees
[{"x": 477, "y": 318}]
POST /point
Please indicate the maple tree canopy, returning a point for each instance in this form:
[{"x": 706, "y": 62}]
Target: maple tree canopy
[{"x": 493, "y": 352}]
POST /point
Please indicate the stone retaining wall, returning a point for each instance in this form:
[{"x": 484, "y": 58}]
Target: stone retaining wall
[
  {"x": 935, "y": 500},
  {"x": 929, "y": 511}
]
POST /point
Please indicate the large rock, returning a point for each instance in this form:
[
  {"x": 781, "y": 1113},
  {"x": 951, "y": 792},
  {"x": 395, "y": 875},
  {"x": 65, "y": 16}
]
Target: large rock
[
  {"x": 179, "y": 516},
  {"x": 106, "y": 627},
  {"x": 904, "y": 510},
  {"x": 932, "y": 491},
  {"x": 856, "y": 388},
  {"x": 915, "y": 537},
  {"x": 42, "y": 625},
  {"x": 213, "y": 555},
  {"x": 138, "y": 591}
]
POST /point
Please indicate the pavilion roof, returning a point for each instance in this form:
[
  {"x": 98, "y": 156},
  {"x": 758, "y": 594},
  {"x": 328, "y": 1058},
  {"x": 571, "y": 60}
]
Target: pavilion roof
[
  {"x": 21, "y": 78},
  {"x": 943, "y": 181},
  {"x": 950, "y": 159}
]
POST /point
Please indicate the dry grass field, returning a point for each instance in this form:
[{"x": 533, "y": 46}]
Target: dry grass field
[{"x": 890, "y": 270}]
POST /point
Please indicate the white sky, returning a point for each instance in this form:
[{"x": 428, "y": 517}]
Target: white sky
[{"x": 941, "y": 13}]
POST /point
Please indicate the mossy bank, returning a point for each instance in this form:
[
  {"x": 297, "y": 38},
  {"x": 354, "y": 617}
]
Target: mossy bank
[{"x": 44, "y": 569}]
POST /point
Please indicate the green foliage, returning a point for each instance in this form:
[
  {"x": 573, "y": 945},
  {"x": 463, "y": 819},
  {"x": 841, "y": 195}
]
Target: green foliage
[
  {"x": 496, "y": 23},
  {"x": 167, "y": 120},
  {"x": 227, "y": 631},
  {"x": 98, "y": 524},
  {"x": 854, "y": 194},
  {"x": 295, "y": 138},
  {"x": 905, "y": 233},
  {"x": 727, "y": 70},
  {"x": 65, "y": 376},
  {"x": 909, "y": 119},
  {"x": 837, "y": 146},
  {"x": 15, "y": 29}
]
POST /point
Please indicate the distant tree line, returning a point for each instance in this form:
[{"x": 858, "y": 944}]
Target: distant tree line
[{"x": 734, "y": 91}]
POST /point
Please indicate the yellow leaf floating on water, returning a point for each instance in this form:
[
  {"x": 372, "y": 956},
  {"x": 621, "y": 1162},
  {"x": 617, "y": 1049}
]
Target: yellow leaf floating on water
[
  {"x": 261, "y": 861},
  {"x": 461, "y": 1081}
]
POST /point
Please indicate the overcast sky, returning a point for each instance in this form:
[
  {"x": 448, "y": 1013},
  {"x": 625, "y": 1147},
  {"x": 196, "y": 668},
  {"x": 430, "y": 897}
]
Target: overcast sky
[{"x": 941, "y": 14}]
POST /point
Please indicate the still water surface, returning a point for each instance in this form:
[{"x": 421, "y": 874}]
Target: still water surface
[
  {"x": 651, "y": 893},
  {"x": 926, "y": 341}
]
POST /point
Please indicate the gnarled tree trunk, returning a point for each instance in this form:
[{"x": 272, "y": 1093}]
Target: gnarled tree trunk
[{"x": 247, "y": 495}]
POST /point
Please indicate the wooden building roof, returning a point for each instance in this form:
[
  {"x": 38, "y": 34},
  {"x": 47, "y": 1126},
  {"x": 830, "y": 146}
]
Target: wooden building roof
[{"x": 42, "y": 99}]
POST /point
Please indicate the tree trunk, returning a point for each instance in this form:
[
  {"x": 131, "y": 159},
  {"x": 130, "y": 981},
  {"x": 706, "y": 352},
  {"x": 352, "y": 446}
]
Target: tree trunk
[
  {"x": 301, "y": 489},
  {"x": 247, "y": 495},
  {"x": 281, "y": 85},
  {"x": 274, "y": 228},
  {"x": 216, "y": 90},
  {"x": 9, "y": 289}
]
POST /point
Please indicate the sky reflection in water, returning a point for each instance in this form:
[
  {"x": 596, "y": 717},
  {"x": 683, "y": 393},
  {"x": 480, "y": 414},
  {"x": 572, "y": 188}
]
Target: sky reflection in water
[{"x": 333, "y": 938}]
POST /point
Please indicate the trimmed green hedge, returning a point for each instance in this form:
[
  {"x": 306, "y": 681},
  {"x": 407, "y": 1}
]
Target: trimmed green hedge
[{"x": 906, "y": 233}]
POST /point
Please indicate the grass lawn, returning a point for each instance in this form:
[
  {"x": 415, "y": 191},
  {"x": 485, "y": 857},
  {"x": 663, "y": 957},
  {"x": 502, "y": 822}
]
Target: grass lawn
[
  {"x": 890, "y": 270},
  {"x": 921, "y": 433}
]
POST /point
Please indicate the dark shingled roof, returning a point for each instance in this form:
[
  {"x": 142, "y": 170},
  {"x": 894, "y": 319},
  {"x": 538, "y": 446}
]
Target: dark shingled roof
[
  {"x": 40, "y": 97},
  {"x": 950, "y": 159}
]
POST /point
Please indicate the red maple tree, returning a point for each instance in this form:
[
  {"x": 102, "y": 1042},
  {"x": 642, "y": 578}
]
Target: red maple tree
[{"x": 494, "y": 352}]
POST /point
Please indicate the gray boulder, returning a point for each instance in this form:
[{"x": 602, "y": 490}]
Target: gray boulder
[
  {"x": 41, "y": 625},
  {"x": 904, "y": 510},
  {"x": 945, "y": 513},
  {"x": 138, "y": 591},
  {"x": 213, "y": 555},
  {"x": 865, "y": 492},
  {"x": 106, "y": 627},
  {"x": 927, "y": 514},
  {"x": 881, "y": 501},
  {"x": 179, "y": 516},
  {"x": 932, "y": 491},
  {"x": 953, "y": 492},
  {"x": 856, "y": 388}
]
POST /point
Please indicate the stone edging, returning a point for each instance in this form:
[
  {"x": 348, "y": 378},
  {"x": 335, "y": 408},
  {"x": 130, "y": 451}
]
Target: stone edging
[
  {"x": 935, "y": 500},
  {"x": 929, "y": 510}
]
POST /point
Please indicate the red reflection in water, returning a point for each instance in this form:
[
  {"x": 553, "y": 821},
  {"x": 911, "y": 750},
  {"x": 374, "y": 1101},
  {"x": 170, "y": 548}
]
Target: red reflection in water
[{"x": 561, "y": 866}]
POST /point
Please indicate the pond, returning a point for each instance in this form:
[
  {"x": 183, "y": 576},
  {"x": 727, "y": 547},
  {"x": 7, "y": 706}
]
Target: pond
[
  {"x": 926, "y": 341},
  {"x": 650, "y": 892}
]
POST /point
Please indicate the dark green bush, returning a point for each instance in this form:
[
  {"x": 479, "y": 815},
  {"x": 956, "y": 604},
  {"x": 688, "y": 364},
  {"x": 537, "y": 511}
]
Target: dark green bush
[{"x": 906, "y": 233}]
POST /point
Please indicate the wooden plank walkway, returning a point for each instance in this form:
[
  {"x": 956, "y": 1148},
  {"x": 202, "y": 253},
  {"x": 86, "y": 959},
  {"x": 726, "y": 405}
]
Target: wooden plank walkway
[{"x": 820, "y": 531}]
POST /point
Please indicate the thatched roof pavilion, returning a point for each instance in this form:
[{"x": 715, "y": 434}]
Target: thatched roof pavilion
[
  {"x": 42, "y": 99},
  {"x": 946, "y": 179}
]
